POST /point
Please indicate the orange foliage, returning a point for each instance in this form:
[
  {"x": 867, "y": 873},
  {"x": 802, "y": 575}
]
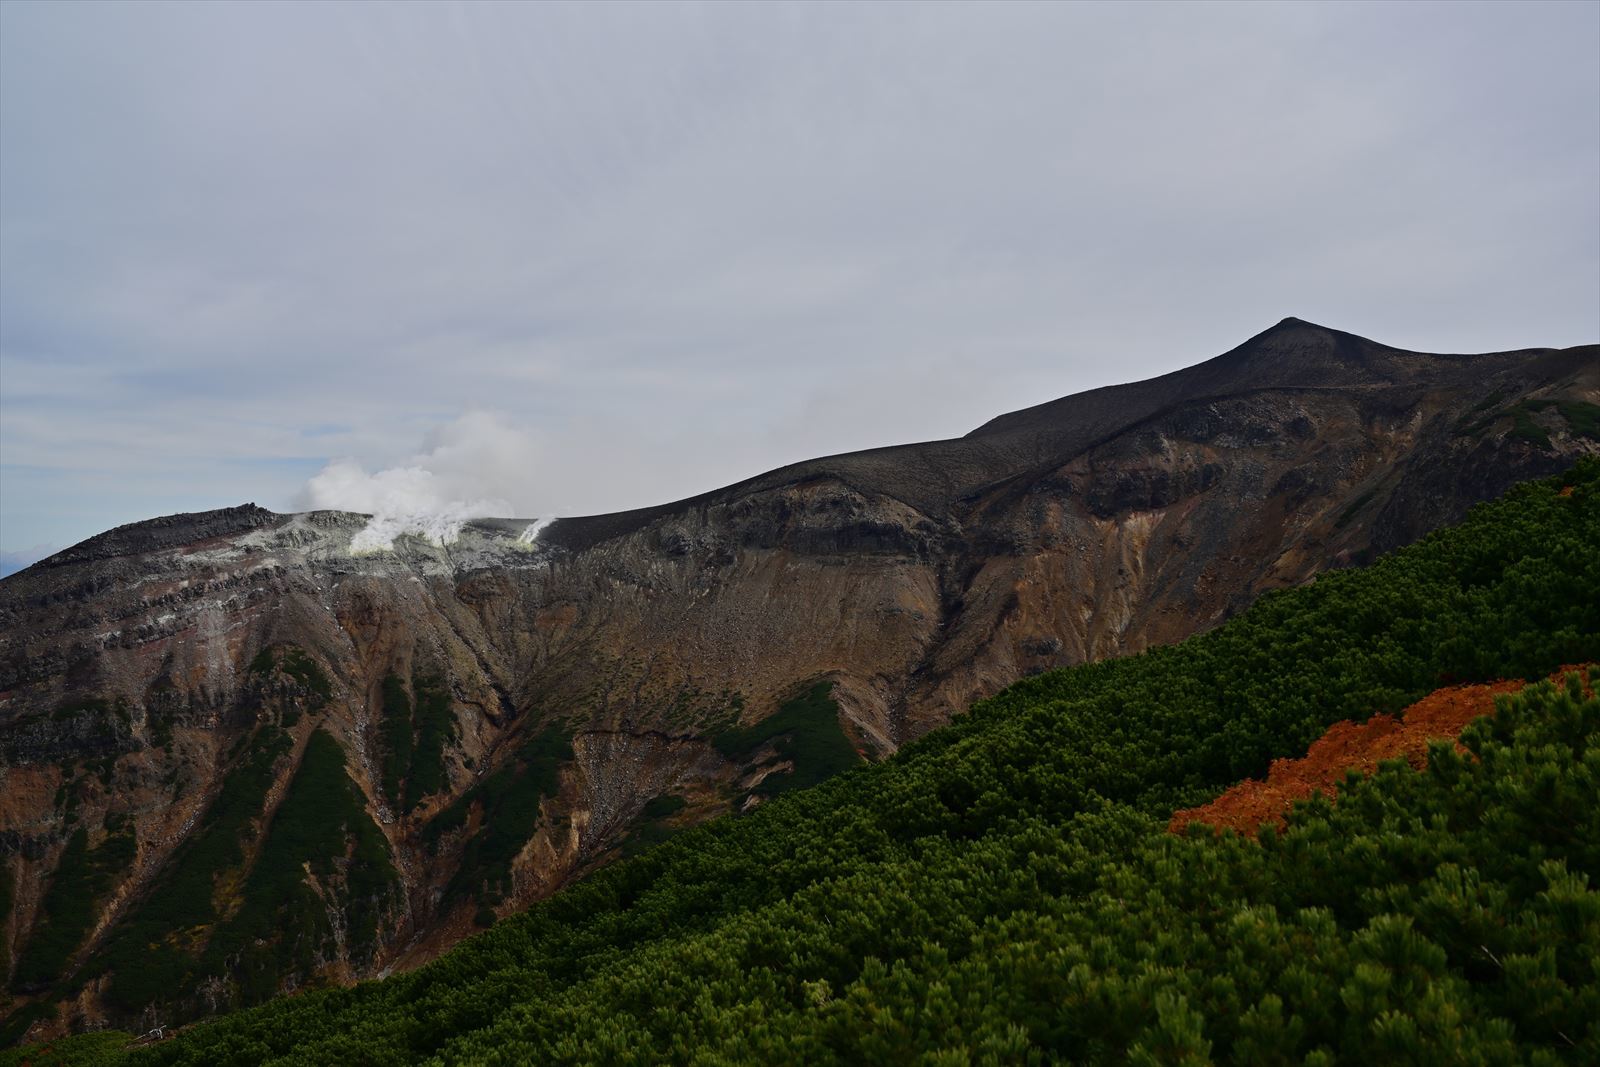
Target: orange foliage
[{"x": 1347, "y": 746}]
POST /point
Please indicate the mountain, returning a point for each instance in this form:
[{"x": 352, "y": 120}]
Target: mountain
[
  {"x": 1008, "y": 889},
  {"x": 239, "y": 759}
]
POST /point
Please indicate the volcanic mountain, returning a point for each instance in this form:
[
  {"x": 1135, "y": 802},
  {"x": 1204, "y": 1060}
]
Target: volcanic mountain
[{"x": 237, "y": 758}]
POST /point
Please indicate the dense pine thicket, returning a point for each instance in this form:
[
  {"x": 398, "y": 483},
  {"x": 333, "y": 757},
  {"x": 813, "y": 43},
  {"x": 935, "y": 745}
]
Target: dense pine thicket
[{"x": 1004, "y": 891}]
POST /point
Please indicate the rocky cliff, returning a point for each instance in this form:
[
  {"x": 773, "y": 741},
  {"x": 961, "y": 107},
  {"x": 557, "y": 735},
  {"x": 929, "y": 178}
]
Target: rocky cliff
[{"x": 237, "y": 758}]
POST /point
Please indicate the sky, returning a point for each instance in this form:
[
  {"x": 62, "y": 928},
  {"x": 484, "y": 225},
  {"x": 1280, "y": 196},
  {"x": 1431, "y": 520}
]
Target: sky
[{"x": 548, "y": 259}]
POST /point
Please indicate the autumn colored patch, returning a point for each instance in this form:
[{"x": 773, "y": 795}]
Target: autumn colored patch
[{"x": 1346, "y": 747}]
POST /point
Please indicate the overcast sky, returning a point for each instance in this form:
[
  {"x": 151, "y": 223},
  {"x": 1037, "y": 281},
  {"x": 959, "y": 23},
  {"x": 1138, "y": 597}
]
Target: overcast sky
[{"x": 569, "y": 259}]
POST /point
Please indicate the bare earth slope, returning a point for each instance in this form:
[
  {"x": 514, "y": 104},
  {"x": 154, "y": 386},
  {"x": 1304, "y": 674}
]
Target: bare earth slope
[{"x": 512, "y": 714}]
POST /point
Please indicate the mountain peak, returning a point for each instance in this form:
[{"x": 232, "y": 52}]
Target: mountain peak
[{"x": 1292, "y": 324}]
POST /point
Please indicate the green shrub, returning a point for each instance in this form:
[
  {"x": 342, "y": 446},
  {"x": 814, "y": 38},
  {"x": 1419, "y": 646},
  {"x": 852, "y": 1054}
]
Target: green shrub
[
  {"x": 305, "y": 670},
  {"x": 806, "y": 731},
  {"x": 395, "y": 736},
  {"x": 435, "y": 729},
  {"x": 281, "y": 927},
  {"x": 1523, "y": 428},
  {"x": 150, "y": 954},
  {"x": 651, "y": 828},
  {"x": 81, "y": 880},
  {"x": 1355, "y": 506},
  {"x": 509, "y": 799},
  {"x": 297, "y": 664},
  {"x": 1582, "y": 418}
]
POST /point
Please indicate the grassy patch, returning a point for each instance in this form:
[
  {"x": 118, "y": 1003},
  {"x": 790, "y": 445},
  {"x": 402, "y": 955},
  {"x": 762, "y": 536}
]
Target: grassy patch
[
  {"x": 12, "y": 1029},
  {"x": 150, "y": 954},
  {"x": 1355, "y": 506},
  {"x": 82, "y": 878},
  {"x": 305, "y": 670},
  {"x": 1523, "y": 428},
  {"x": 651, "y": 828},
  {"x": 1489, "y": 401},
  {"x": 161, "y": 704},
  {"x": 282, "y": 925},
  {"x": 663, "y": 806},
  {"x": 265, "y": 661},
  {"x": 298, "y": 665},
  {"x": 415, "y": 736},
  {"x": 395, "y": 733},
  {"x": 509, "y": 799},
  {"x": 436, "y": 727},
  {"x": 806, "y": 731},
  {"x": 1582, "y": 418},
  {"x": 1476, "y": 421},
  {"x": 211, "y": 917}
]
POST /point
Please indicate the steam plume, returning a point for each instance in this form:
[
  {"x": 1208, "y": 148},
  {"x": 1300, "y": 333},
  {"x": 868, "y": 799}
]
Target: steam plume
[{"x": 474, "y": 467}]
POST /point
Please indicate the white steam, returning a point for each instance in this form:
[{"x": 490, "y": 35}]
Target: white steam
[
  {"x": 531, "y": 534},
  {"x": 474, "y": 467}
]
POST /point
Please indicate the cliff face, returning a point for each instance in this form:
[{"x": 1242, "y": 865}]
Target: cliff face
[{"x": 236, "y": 758}]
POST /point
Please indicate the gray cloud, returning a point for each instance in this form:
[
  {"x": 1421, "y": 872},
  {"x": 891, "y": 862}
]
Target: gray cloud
[{"x": 674, "y": 245}]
